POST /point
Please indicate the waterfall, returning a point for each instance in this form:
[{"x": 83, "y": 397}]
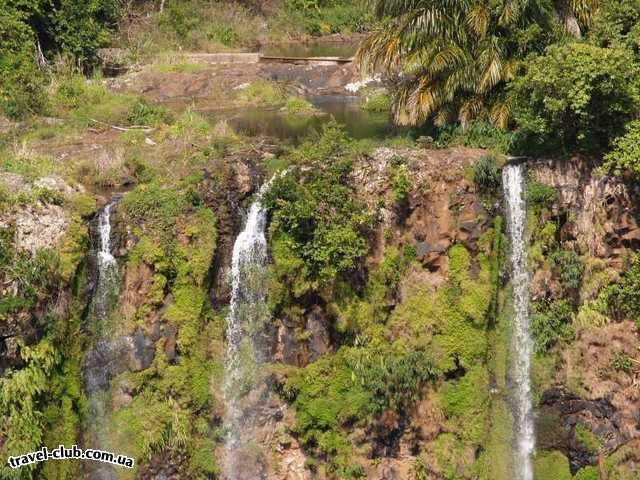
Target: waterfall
[
  {"x": 246, "y": 320},
  {"x": 107, "y": 273},
  {"x": 513, "y": 184},
  {"x": 99, "y": 359}
]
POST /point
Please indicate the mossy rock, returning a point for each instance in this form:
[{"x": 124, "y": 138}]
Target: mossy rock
[{"x": 550, "y": 465}]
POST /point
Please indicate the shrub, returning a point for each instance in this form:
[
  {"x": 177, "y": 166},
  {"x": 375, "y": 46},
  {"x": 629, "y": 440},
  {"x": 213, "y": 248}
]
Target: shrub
[
  {"x": 224, "y": 34},
  {"x": 621, "y": 362},
  {"x": 623, "y": 298},
  {"x": 616, "y": 23},
  {"x": 154, "y": 206},
  {"x": 576, "y": 96},
  {"x": 550, "y": 323},
  {"x": 568, "y": 262},
  {"x": 625, "y": 154},
  {"x": 330, "y": 16},
  {"x": 22, "y": 88},
  {"x": 540, "y": 195},
  {"x": 400, "y": 184},
  {"x": 379, "y": 103},
  {"x": 393, "y": 380},
  {"x": 315, "y": 211},
  {"x": 263, "y": 92},
  {"x": 297, "y": 105},
  {"x": 486, "y": 175},
  {"x": 477, "y": 134},
  {"x": 325, "y": 396},
  {"x": 145, "y": 113}
]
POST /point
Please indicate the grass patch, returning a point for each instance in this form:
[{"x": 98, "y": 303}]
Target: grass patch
[
  {"x": 182, "y": 67},
  {"x": 264, "y": 93}
]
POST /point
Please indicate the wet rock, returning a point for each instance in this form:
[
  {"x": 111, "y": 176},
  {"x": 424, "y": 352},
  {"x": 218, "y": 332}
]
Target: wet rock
[
  {"x": 573, "y": 425},
  {"x": 243, "y": 178},
  {"x": 103, "y": 361},
  {"x": 169, "y": 335},
  {"x": 142, "y": 353},
  {"x": 317, "y": 326}
]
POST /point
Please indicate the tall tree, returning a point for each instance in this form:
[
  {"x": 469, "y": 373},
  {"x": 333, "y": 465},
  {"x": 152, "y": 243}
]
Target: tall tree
[{"x": 453, "y": 58}]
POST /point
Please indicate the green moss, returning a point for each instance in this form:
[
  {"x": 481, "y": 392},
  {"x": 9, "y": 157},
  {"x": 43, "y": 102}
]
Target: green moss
[
  {"x": 201, "y": 458},
  {"x": 263, "y": 92},
  {"x": 587, "y": 438},
  {"x": 366, "y": 314},
  {"x": 295, "y": 105},
  {"x": 184, "y": 312},
  {"x": 466, "y": 402},
  {"x": 457, "y": 340},
  {"x": 495, "y": 462},
  {"x": 452, "y": 321},
  {"x": 149, "y": 251},
  {"x": 379, "y": 103},
  {"x": 155, "y": 206},
  {"x": 551, "y": 464},
  {"x": 326, "y": 396},
  {"x": 587, "y": 473},
  {"x": 72, "y": 247},
  {"x": 450, "y": 457}
]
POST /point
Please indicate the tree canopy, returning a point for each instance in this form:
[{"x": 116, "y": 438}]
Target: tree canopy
[{"x": 455, "y": 57}]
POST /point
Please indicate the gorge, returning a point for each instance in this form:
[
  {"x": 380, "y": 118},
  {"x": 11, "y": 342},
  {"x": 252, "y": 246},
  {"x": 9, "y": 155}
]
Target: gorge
[{"x": 320, "y": 269}]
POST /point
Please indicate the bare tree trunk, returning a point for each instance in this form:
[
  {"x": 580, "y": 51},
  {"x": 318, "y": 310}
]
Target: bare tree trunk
[
  {"x": 161, "y": 6},
  {"x": 40, "y": 58}
]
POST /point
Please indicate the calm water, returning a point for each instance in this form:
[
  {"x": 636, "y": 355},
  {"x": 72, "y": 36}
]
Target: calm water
[
  {"x": 359, "y": 123},
  {"x": 311, "y": 49}
]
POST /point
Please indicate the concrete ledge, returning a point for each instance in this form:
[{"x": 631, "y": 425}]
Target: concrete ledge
[
  {"x": 301, "y": 60},
  {"x": 222, "y": 57},
  {"x": 212, "y": 58}
]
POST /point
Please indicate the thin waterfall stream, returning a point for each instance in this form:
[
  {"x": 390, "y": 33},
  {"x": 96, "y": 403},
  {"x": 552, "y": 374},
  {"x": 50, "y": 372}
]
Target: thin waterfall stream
[
  {"x": 98, "y": 359},
  {"x": 107, "y": 267},
  {"x": 247, "y": 315},
  {"x": 513, "y": 184}
]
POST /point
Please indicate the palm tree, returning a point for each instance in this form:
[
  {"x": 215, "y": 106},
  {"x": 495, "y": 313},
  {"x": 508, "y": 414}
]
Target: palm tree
[{"x": 452, "y": 58}]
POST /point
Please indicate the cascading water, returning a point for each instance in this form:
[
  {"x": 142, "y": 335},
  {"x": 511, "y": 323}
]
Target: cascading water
[
  {"x": 245, "y": 321},
  {"x": 107, "y": 267},
  {"x": 513, "y": 185},
  {"x": 98, "y": 361}
]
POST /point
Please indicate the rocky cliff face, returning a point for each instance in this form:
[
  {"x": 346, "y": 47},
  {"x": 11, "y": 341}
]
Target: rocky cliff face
[
  {"x": 590, "y": 399},
  {"x": 444, "y": 295}
]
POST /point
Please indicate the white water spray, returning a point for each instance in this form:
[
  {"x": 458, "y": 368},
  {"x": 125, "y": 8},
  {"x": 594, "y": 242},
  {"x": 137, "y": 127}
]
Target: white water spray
[
  {"x": 248, "y": 310},
  {"x": 99, "y": 360},
  {"x": 513, "y": 184},
  {"x": 107, "y": 267}
]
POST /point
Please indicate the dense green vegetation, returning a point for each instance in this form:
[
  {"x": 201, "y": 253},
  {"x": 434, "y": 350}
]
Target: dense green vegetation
[
  {"x": 560, "y": 75},
  {"x": 458, "y": 56},
  {"x": 576, "y": 97}
]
